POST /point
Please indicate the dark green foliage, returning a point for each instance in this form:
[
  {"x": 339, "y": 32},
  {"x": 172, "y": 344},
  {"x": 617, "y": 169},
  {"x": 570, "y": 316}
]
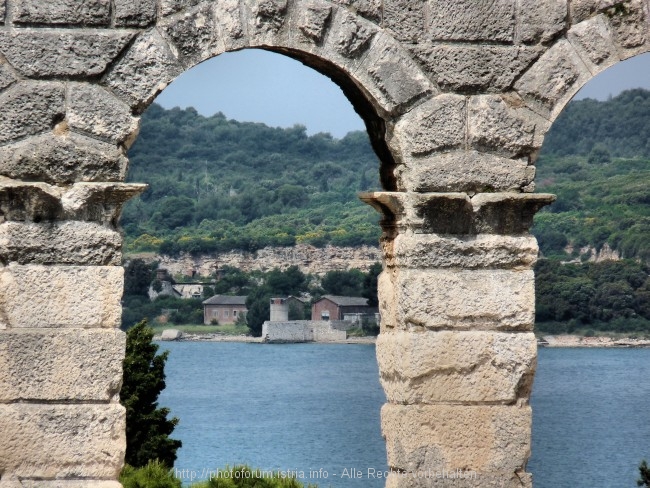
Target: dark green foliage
[
  {"x": 298, "y": 311},
  {"x": 370, "y": 284},
  {"x": 136, "y": 308},
  {"x": 258, "y": 305},
  {"x": 245, "y": 477},
  {"x": 291, "y": 281},
  {"x": 138, "y": 275},
  {"x": 597, "y": 204},
  {"x": 343, "y": 283},
  {"x": 218, "y": 185},
  {"x": 644, "y": 473},
  {"x": 153, "y": 475},
  {"x": 613, "y": 295},
  {"x": 233, "y": 281},
  {"x": 156, "y": 475},
  {"x": 619, "y": 125},
  {"x": 147, "y": 426}
]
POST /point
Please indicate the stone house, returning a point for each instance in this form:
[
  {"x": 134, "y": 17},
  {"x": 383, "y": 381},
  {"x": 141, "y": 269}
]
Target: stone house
[
  {"x": 352, "y": 309},
  {"x": 224, "y": 308}
]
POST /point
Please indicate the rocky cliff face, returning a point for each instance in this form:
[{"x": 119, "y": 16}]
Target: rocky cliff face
[{"x": 308, "y": 258}]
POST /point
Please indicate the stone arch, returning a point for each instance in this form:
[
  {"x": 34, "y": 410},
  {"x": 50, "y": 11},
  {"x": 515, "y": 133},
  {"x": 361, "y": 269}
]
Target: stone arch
[
  {"x": 457, "y": 97},
  {"x": 378, "y": 76}
]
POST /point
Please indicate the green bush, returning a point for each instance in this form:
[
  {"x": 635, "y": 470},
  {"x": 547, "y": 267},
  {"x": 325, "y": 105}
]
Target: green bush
[
  {"x": 245, "y": 477},
  {"x": 154, "y": 475}
]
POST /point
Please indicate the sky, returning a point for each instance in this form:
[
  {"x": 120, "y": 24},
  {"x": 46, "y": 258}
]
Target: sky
[{"x": 259, "y": 86}]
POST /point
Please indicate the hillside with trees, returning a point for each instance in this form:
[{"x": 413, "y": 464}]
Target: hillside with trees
[
  {"x": 219, "y": 185},
  {"x": 596, "y": 159}
]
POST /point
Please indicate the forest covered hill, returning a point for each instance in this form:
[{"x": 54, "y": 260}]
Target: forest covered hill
[{"x": 219, "y": 185}]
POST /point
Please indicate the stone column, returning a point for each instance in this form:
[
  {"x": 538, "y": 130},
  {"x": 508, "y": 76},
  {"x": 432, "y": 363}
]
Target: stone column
[
  {"x": 61, "y": 351},
  {"x": 456, "y": 351}
]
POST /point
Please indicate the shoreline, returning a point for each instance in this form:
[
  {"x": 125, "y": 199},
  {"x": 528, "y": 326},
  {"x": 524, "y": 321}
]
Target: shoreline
[
  {"x": 550, "y": 341},
  {"x": 567, "y": 340},
  {"x": 187, "y": 337}
]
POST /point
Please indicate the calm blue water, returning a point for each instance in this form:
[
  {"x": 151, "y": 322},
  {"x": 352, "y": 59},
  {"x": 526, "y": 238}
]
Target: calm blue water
[{"x": 311, "y": 407}]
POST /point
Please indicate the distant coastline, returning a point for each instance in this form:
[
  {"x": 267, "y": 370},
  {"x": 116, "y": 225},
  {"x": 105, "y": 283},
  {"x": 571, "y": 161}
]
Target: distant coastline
[
  {"x": 553, "y": 341},
  {"x": 582, "y": 341},
  {"x": 186, "y": 337}
]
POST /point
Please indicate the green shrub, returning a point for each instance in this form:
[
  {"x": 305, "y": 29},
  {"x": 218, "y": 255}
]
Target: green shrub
[
  {"x": 245, "y": 477},
  {"x": 154, "y": 475}
]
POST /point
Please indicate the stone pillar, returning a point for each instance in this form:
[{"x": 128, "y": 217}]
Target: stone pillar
[
  {"x": 61, "y": 351},
  {"x": 456, "y": 351}
]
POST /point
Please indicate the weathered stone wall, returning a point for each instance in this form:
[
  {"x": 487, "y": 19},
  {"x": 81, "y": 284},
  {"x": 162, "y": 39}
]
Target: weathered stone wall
[
  {"x": 305, "y": 331},
  {"x": 457, "y": 97}
]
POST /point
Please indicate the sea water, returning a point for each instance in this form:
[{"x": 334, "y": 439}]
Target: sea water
[{"x": 312, "y": 411}]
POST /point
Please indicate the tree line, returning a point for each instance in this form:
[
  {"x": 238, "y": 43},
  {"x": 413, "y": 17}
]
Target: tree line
[{"x": 218, "y": 185}]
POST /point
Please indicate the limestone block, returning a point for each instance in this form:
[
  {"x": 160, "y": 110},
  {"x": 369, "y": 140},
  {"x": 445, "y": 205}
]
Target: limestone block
[
  {"x": 267, "y": 17},
  {"x": 30, "y": 107},
  {"x": 504, "y": 126},
  {"x": 62, "y": 53},
  {"x": 436, "y": 125},
  {"x": 34, "y": 202},
  {"x": 7, "y": 75},
  {"x": 475, "y": 438},
  {"x": 66, "y": 243},
  {"x": 370, "y": 9},
  {"x": 628, "y": 25},
  {"x": 71, "y": 441},
  {"x": 36, "y": 296},
  {"x": 62, "y": 158},
  {"x": 134, "y": 13},
  {"x": 453, "y": 367},
  {"x": 392, "y": 77},
  {"x": 230, "y": 25},
  {"x": 93, "y": 110},
  {"x": 457, "y": 213},
  {"x": 468, "y": 171},
  {"x": 459, "y": 479},
  {"x": 507, "y": 213},
  {"x": 60, "y": 365},
  {"x": 169, "y": 7},
  {"x": 353, "y": 35},
  {"x": 386, "y": 296},
  {"x": 554, "y": 79},
  {"x": 406, "y": 19},
  {"x": 63, "y": 12},
  {"x": 471, "y": 20},
  {"x": 98, "y": 202},
  {"x": 541, "y": 21},
  {"x": 144, "y": 71},
  {"x": 314, "y": 20},
  {"x": 583, "y": 9},
  {"x": 501, "y": 300},
  {"x": 193, "y": 34},
  {"x": 593, "y": 41},
  {"x": 475, "y": 69},
  {"x": 37, "y": 202},
  {"x": 426, "y": 251}
]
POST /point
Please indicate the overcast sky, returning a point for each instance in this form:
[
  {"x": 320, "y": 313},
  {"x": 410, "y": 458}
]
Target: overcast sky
[{"x": 259, "y": 86}]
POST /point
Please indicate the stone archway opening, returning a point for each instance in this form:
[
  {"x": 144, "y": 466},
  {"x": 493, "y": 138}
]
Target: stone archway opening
[
  {"x": 197, "y": 164},
  {"x": 593, "y": 253}
]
